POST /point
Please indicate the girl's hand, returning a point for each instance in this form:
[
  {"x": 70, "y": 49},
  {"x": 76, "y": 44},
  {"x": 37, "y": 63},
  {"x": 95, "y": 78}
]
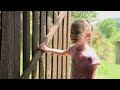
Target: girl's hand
[{"x": 43, "y": 47}]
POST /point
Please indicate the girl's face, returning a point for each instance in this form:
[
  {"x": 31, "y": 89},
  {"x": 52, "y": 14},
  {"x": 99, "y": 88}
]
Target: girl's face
[{"x": 78, "y": 37}]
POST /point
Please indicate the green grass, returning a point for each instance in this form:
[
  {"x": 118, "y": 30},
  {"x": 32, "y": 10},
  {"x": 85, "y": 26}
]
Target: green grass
[{"x": 108, "y": 70}]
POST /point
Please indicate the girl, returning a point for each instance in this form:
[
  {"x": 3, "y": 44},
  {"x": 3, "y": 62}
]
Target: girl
[{"x": 84, "y": 60}]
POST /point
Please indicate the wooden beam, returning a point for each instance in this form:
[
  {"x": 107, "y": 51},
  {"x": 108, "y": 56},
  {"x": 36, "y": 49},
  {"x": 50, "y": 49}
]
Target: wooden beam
[
  {"x": 26, "y": 39},
  {"x": 35, "y": 41},
  {"x": 7, "y": 49},
  {"x": 17, "y": 30}
]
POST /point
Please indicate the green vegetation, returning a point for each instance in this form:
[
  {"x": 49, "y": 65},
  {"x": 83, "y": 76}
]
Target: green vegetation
[{"x": 110, "y": 34}]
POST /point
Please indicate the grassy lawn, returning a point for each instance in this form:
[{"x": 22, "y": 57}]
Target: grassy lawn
[{"x": 108, "y": 71}]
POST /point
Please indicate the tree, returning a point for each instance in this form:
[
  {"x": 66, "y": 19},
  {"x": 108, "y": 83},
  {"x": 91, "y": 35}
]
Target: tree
[
  {"x": 107, "y": 27},
  {"x": 84, "y": 15}
]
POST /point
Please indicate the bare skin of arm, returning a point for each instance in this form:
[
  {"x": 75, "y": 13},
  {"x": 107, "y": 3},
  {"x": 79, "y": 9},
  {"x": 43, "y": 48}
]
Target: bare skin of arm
[
  {"x": 93, "y": 71},
  {"x": 44, "y": 48}
]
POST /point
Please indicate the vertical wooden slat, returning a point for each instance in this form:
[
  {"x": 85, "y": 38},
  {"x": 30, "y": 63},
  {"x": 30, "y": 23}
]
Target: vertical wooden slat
[
  {"x": 35, "y": 41},
  {"x": 43, "y": 34},
  {"x": 64, "y": 46},
  {"x": 55, "y": 46},
  {"x": 49, "y": 25},
  {"x": 7, "y": 50},
  {"x": 41, "y": 68},
  {"x": 0, "y": 37},
  {"x": 26, "y": 39},
  {"x": 59, "y": 47},
  {"x": 68, "y": 57},
  {"x": 17, "y": 43}
]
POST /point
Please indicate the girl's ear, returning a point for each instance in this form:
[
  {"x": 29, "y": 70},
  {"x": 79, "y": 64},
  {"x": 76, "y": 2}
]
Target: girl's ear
[{"x": 88, "y": 35}]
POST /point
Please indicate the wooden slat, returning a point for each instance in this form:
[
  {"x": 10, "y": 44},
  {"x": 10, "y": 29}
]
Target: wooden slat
[
  {"x": 64, "y": 46},
  {"x": 7, "y": 50},
  {"x": 0, "y": 37},
  {"x": 59, "y": 47},
  {"x": 49, "y": 25},
  {"x": 54, "y": 46},
  {"x": 68, "y": 57},
  {"x": 17, "y": 43},
  {"x": 43, "y": 35},
  {"x": 47, "y": 40},
  {"x": 26, "y": 39},
  {"x": 41, "y": 68},
  {"x": 35, "y": 41}
]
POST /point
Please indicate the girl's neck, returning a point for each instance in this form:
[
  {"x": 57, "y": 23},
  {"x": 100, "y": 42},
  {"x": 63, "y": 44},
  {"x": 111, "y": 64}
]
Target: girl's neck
[{"x": 81, "y": 48}]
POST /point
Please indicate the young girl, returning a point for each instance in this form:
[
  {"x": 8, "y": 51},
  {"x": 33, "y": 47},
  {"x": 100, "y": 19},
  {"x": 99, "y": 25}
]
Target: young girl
[{"x": 84, "y": 60}]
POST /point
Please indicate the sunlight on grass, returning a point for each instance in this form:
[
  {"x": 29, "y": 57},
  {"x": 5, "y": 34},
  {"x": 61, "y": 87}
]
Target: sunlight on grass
[{"x": 108, "y": 71}]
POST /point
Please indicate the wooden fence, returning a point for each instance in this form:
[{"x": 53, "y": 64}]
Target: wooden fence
[{"x": 20, "y": 35}]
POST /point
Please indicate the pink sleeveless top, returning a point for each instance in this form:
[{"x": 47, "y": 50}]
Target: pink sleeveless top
[{"x": 81, "y": 62}]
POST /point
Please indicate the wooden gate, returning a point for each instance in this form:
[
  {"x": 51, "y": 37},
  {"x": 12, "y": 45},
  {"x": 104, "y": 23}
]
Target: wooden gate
[{"x": 21, "y": 34}]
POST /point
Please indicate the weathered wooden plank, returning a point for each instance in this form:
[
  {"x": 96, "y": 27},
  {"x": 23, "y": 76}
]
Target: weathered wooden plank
[
  {"x": 35, "y": 41},
  {"x": 68, "y": 57},
  {"x": 49, "y": 55},
  {"x": 57, "y": 68},
  {"x": 64, "y": 46},
  {"x": 47, "y": 40},
  {"x": 62, "y": 49},
  {"x": 55, "y": 46},
  {"x": 17, "y": 43},
  {"x": 26, "y": 39},
  {"x": 41, "y": 68},
  {"x": 0, "y": 37},
  {"x": 43, "y": 35},
  {"x": 59, "y": 47},
  {"x": 7, "y": 50}
]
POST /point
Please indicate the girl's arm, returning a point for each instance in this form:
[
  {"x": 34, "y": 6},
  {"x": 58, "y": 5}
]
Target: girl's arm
[
  {"x": 44, "y": 48},
  {"x": 93, "y": 71}
]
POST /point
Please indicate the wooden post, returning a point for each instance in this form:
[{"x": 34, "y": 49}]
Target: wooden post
[
  {"x": 26, "y": 39},
  {"x": 64, "y": 46},
  {"x": 118, "y": 52},
  {"x": 42, "y": 38},
  {"x": 68, "y": 57},
  {"x": 0, "y": 37},
  {"x": 10, "y": 50},
  {"x": 49, "y": 55},
  {"x": 59, "y": 47},
  {"x": 17, "y": 30},
  {"x": 54, "y": 46},
  {"x": 35, "y": 41}
]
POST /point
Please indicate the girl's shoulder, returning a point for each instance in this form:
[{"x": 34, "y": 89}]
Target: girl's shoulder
[
  {"x": 71, "y": 49},
  {"x": 91, "y": 52}
]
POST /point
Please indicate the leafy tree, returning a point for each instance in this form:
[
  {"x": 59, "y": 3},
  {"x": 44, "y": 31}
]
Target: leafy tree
[
  {"x": 84, "y": 15},
  {"x": 107, "y": 27},
  {"x": 117, "y": 20}
]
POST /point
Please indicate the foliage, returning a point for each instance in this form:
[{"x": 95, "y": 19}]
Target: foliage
[
  {"x": 117, "y": 20},
  {"x": 83, "y": 15},
  {"x": 107, "y": 27}
]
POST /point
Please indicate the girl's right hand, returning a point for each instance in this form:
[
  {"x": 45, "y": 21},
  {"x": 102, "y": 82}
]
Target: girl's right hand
[{"x": 43, "y": 47}]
